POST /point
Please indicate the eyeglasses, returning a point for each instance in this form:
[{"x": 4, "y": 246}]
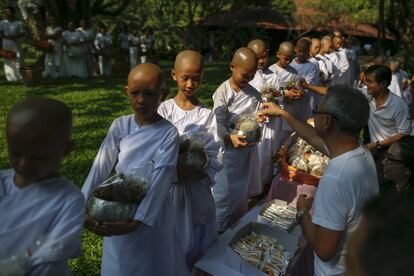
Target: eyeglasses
[
  {"x": 323, "y": 113},
  {"x": 389, "y": 158}
]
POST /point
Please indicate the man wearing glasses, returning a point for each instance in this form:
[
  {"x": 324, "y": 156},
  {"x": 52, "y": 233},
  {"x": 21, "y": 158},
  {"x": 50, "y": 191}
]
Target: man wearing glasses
[{"x": 348, "y": 182}]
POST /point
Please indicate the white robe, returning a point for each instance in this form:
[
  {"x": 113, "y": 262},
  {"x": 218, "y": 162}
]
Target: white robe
[
  {"x": 88, "y": 36},
  {"x": 74, "y": 55},
  {"x": 310, "y": 72},
  {"x": 395, "y": 86},
  {"x": 240, "y": 166},
  {"x": 193, "y": 201},
  {"x": 53, "y": 60},
  {"x": 103, "y": 43},
  {"x": 153, "y": 249},
  {"x": 133, "y": 50},
  {"x": 51, "y": 211},
  {"x": 344, "y": 68},
  {"x": 326, "y": 67},
  {"x": 336, "y": 72},
  {"x": 12, "y": 65},
  {"x": 281, "y": 77},
  {"x": 267, "y": 146}
]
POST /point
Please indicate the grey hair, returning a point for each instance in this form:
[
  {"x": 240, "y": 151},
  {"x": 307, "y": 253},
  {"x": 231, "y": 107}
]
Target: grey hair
[{"x": 349, "y": 107}]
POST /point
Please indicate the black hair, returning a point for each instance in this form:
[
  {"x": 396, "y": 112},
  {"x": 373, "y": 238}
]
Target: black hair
[
  {"x": 339, "y": 100},
  {"x": 381, "y": 73},
  {"x": 388, "y": 246},
  {"x": 11, "y": 9}
]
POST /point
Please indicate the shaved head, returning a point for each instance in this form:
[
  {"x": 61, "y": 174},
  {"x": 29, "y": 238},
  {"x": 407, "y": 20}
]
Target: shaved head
[
  {"x": 315, "y": 47},
  {"x": 286, "y": 48},
  {"x": 148, "y": 73},
  {"x": 326, "y": 45},
  {"x": 189, "y": 57},
  {"x": 40, "y": 118},
  {"x": 257, "y": 45},
  {"x": 337, "y": 42},
  {"x": 244, "y": 57}
]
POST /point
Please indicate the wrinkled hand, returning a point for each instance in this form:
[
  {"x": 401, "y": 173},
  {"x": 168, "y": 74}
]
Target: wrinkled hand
[
  {"x": 304, "y": 202},
  {"x": 238, "y": 141},
  {"x": 270, "y": 110},
  {"x": 95, "y": 226},
  {"x": 293, "y": 93},
  {"x": 371, "y": 146},
  {"x": 111, "y": 228}
]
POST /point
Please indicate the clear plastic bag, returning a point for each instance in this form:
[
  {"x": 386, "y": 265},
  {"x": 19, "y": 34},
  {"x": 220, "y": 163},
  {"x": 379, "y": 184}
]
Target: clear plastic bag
[
  {"x": 119, "y": 196},
  {"x": 193, "y": 158}
]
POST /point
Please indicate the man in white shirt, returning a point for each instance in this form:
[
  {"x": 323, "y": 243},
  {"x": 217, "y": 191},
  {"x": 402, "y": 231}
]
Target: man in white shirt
[
  {"x": 348, "y": 182},
  {"x": 388, "y": 119}
]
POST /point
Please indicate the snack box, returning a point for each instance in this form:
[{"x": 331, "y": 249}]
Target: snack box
[
  {"x": 233, "y": 260},
  {"x": 296, "y": 231}
]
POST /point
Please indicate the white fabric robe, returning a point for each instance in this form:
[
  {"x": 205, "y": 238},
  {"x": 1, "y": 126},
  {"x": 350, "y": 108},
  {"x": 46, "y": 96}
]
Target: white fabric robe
[
  {"x": 153, "y": 249},
  {"x": 327, "y": 68},
  {"x": 53, "y": 60},
  {"x": 343, "y": 67},
  {"x": 193, "y": 201},
  {"x": 281, "y": 77},
  {"x": 102, "y": 43},
  {"x": 267, "y": 146},
  {"x": 240, "y": 166},
  {"x": 395, "y": 86},
  {"x": 51, "y": 211},
  {"x": 336, "y": 72},
  {"x": 74, "y": 55},
  {"x": 133, "y": 50},
  {"x": 88, "y": 36},
  {"x": 310, "y": 72},
  {"x": 12, "y": 65}
]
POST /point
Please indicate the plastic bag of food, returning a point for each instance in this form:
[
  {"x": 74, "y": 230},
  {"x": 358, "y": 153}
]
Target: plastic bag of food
[
  {"x": 119, "y": 196},
  {"x": 193, "y": 158}
]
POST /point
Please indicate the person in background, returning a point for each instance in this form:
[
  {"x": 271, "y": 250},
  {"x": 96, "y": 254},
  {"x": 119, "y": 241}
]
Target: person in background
[
  {"x": 103, "y": 44},
  {"x": 73, "y": 53},
  {"x": 11, "y": 32},
  {"x": 134, "y": 46},
  {"x": 388, "y": 120},
  {"x": 53, "y": 59},
  {"x": 399, "y": 163},
  {"x": 88, "y": 37}
]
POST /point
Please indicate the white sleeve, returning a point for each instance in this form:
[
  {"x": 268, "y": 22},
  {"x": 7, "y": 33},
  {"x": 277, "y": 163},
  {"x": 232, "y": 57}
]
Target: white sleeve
[
  {"x": 104, "y": 161},
  {"x": 220, "y": 112},
  {"x": 402, "y": 122},
  {"x": 64, "y": 239},
  {"x": 214, "y": 152},
  {"x": 330, "y": 208},
  {"x": 164, "y": 174}
]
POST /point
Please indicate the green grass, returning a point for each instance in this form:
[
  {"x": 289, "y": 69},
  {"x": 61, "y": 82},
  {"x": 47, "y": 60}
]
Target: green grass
[{"x": 95, "y": 104}]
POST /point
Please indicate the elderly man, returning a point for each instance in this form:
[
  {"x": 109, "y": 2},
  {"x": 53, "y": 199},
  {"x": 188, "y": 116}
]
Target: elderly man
[{"x": 348, "y": 182}]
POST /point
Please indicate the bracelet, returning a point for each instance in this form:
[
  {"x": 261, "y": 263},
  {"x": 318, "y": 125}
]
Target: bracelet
[{"x": 377, "y": 143}]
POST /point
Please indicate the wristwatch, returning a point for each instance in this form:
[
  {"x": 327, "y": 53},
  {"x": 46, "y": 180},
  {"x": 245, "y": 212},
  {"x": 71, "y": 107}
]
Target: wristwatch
[{"x": 300, "y": 213}]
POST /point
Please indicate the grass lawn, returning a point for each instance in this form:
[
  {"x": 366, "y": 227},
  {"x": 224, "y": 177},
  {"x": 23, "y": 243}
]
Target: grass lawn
[{"x": 95, "y": 104}]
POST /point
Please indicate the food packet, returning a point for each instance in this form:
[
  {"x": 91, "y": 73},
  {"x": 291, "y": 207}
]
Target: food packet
[
  {"x": 192, "y": 159},
  {"x": 129, "y": 187},
  {"x": 247, "y": 122}
]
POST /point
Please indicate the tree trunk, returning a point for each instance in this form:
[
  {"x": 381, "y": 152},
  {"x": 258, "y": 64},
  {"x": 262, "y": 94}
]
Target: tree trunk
[{"x": 381, "y": 28}]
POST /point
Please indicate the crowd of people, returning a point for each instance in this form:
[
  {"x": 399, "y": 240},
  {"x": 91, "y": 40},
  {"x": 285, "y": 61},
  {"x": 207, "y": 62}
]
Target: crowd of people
[
  {"x": 186, "y": 208},
  {"x": 77, "y": 51}
]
